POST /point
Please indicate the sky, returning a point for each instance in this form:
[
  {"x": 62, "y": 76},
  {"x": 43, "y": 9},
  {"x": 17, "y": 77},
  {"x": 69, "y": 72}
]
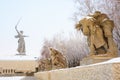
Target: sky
[{"x": 40, "y": 19}]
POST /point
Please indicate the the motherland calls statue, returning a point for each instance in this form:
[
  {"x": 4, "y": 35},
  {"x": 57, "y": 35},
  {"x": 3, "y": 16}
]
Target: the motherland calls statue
[
  {"x": 98, "y": 29},
  {"x": 21, "y": 42}
]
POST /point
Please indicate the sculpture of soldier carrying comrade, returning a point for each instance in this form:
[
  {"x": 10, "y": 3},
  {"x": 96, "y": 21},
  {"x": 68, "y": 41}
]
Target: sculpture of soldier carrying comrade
[{"x": 98, "y": 29}]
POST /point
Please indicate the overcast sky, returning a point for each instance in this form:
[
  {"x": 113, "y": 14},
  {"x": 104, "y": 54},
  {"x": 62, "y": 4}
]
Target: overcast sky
[{"x": 40, "y": 19}]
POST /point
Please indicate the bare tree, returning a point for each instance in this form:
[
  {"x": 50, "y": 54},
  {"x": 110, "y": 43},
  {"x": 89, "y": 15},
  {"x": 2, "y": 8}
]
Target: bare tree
[{"x": 74, "y": 47}]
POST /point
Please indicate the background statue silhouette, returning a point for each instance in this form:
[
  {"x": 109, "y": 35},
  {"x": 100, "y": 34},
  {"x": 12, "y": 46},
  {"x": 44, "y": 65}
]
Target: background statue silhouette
[{"x": 21, "y": 41}]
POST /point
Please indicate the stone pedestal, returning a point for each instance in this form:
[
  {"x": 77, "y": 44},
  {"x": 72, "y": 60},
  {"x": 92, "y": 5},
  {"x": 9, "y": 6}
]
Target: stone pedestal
[{"x": 94, "y": 59}]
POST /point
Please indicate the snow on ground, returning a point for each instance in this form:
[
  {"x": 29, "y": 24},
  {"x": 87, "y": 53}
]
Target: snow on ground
[
  {"x": 114, "y": 60},
  {"x": 18, "y": 78},
  {"x": 18, "y": 57}
]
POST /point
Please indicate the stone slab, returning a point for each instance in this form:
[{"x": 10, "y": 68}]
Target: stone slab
[
  {"x": 94, "y": 59},
  {"x": 43, "y": 75},
  {"x": 102, "y": 71}
]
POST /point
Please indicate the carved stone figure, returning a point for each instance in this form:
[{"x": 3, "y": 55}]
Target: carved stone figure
[
  {"x": 98, "y": 28},
  {"x": 21, "y": 42},
  {"x": 57, "y": 59},
  {"x": 94, "y": 34},
  {"x": 45, "y": 65},
  {"x": 107, "y": 26}
]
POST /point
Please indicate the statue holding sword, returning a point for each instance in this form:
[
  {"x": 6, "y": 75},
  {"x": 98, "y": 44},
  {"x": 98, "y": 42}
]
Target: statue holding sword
[{"x": 21, "y": 41}]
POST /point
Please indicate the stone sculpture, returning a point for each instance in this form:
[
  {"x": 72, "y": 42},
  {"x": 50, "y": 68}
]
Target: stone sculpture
[
  {"x": 44, "y": 65},
  {"x": 57, "y": 59},
  {"x": 98, "y": 29},
  {"x": 107, "y": 26},
  {"x": 21, "y": 42},
  {"x": 93, "y": 32}
]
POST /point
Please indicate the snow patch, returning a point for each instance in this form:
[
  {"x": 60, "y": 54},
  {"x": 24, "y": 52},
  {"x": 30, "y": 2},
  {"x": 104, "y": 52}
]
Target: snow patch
[
  {"x": 17, "y": 78},
  {"x": 18, "y": 57}
]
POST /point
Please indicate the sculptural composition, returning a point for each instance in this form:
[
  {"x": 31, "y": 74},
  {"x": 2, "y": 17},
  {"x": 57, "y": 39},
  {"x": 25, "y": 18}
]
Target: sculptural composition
[
  {"x": 21, "y": 42},
  {"x": 57, "y": 59},
  {"x": 98, "y": 29},
  {"x": 45, "y": 65},
  {"x": 107, "y": 25}
]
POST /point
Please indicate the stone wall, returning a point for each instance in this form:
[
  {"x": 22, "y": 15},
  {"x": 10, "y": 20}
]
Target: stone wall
[{"x": 105, "y": 71}]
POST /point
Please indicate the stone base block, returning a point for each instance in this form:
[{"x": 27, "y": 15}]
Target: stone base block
[
  {"x": 93, "y": 60},
  {"x": 103, "y": 71},
  {"x": 42, "y": 75}
]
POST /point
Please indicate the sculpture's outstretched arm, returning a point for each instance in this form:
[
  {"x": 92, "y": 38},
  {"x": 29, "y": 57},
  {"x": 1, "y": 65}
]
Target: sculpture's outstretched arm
[{"x": 25, "y": 36}]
